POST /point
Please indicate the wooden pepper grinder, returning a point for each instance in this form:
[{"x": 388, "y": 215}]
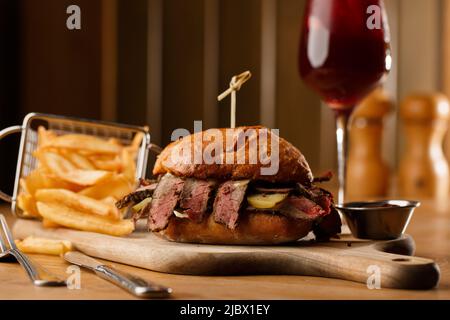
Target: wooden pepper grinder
[
  {"x": 367, "y": 173},
  {"x": 424, "y": 171}
]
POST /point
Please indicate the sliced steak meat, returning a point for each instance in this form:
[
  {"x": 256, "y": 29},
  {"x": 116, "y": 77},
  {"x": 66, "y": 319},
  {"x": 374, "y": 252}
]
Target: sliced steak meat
[
  {"x": 323, "y": 198},
  {"x": 328, "y": 226},
  {"x": 136, "y": 196},
  {"x": 327, "y": 176},
  {"x": 195, "y": 196},
  {"x": 228, "y": 201},
  {"x": 165, "y": 199},
  {"x": 301, "y": 208}
]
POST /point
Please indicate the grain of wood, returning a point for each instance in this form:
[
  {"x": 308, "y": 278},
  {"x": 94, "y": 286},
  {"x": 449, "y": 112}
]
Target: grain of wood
[{"x": 430, "y": 228}]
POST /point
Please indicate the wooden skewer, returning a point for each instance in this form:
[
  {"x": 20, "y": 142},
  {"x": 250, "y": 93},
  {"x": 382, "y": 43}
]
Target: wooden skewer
[{"x": 235, "y": 85}]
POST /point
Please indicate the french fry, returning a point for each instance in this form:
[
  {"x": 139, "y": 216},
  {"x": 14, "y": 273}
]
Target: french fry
[
  {"x": 137, "y": 140},
  {"x": 107, "y": 163},
  {"x": 111, "y": 201},
  {"x": 74, "y": 219},
  {"x": 118, "y": 187},
  {"x": 23, "y": 185},
  {"x": 90, "y": 144},
  {"x": 54, "y": 162},
  {"x": 27, "y": 203},
  {"x": 27, "y": 214},
  {"x": 128, "y": 164},
  {"x": 44, "y": 246},
  {"x": 77, "y": 201},
  {"x": 66, "y": 171},
  {"x": 39, "y": 179},
  {"x": 102, "y": 157},
  {"x": 80, "y": 161},
  {"x": 49, "y": 224},
  {"x": 129, "y": 156},
  {"x": 87, "y": 177},
  {"x": 45, "y": 136},
  {"x": 115, "y": 141}
]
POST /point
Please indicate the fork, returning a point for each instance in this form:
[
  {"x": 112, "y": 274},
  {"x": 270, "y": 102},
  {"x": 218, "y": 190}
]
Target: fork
[{"x": 38, "y": 275}]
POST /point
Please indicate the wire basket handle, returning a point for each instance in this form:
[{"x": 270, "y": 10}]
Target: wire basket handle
[{"x": 4, "y": 133}]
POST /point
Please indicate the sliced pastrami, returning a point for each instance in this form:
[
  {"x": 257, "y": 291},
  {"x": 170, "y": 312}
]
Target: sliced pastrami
[
  {"x": 228, "y": 201},
  {"x": 165, "y": 199}
]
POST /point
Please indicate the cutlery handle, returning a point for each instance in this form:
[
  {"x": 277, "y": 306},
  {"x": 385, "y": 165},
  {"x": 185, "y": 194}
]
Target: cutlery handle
[
  {"x": 37, "y": 274},
  {"x": 133, "y": 284}
]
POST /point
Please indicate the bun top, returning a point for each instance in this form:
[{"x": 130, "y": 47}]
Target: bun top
[{"x": 219, "y": 154}]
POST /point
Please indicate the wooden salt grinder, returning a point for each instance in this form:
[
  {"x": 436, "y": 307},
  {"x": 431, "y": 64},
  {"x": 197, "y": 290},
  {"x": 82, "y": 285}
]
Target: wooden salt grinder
[
  {"x": 424, "y": 171},
  {"x": 367, "y": 173}
]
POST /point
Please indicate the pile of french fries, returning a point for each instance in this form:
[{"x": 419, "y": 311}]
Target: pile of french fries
[{"x": 77, "y": 182}]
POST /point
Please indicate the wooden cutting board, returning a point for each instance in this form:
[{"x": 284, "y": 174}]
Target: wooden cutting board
[{"x": 346, "y": 258}]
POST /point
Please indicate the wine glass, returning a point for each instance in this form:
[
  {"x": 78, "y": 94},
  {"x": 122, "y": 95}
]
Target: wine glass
[{"x": 344, "y": 54}]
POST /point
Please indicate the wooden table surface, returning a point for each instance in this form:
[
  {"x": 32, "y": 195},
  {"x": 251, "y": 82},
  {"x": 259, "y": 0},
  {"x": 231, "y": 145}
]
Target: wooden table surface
[{"x": 430, "y": 228}]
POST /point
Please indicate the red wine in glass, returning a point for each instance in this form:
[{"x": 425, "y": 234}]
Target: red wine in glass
[{"x": 344, "y": 54}]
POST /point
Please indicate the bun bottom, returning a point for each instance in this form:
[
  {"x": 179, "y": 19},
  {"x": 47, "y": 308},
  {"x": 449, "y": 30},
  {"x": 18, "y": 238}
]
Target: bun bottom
[{"x": 254, "y": 228}]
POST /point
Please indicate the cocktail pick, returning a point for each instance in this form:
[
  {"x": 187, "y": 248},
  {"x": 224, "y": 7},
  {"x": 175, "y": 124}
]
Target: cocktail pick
[{"x": 235, "y": 85}]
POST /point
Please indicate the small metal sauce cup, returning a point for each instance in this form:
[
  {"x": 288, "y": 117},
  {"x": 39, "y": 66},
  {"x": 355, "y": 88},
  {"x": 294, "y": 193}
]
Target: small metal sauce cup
[{"x": 378, "y": 220}]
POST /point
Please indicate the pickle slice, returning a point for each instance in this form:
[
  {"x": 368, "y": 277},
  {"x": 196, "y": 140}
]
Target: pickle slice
[
  {"x": 266, "y": 201},
  {"x": 138, "y": 207}
]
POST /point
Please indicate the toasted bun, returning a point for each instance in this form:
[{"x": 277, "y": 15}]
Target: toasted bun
[
  {"x": 254, "y": 228},
  {"x": 292, "y": 164}
]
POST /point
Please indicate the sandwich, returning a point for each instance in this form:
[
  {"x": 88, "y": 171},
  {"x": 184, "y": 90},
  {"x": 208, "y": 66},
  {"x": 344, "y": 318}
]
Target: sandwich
[{"x": 230, "y": 196}]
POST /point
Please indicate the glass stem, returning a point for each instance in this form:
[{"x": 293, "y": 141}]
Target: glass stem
[{"x": 341, "y": 136}]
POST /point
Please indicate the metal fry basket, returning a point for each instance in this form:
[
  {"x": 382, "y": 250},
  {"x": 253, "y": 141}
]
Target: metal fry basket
[{"x": 64, "y": 125}]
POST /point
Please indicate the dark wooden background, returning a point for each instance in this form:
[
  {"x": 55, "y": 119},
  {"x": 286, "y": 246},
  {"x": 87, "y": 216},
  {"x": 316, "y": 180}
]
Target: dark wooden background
[
  {"x": 163, "y": 62},
  {"x": 9, "y": 89},
  {"x": 154, "y": 62}
]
